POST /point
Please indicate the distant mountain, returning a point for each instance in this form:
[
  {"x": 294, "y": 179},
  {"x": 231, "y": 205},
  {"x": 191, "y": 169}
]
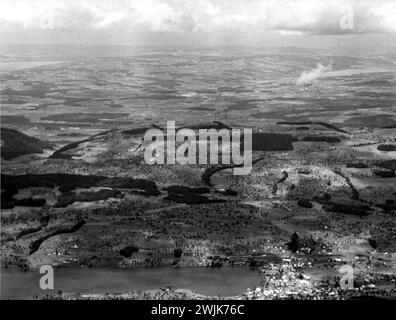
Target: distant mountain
[{"x": 14, "y": 144}]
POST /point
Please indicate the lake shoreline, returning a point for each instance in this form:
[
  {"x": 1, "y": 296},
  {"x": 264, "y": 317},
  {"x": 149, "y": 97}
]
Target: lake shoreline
[{"x": 227, "y": 281}]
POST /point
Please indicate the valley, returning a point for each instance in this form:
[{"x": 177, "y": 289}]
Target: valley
[{"x": 80, "y": 196}]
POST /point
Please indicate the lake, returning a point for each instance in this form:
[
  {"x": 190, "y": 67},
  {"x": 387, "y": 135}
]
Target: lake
[{"x": 226, "y": 281}]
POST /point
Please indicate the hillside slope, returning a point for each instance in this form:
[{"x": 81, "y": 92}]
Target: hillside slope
[{"x": 14, "y": 144}]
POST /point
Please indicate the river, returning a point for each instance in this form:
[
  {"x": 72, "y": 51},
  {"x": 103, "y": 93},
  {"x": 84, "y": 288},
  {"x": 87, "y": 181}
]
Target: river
[{"x": 226, "y": 281}]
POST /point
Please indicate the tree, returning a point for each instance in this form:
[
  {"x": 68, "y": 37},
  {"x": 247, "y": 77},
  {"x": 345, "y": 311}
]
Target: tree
[
  {"x": 178, "y": 253},
  {"x": 294, "y": 244},
  {"x": 128, "y": 251}
]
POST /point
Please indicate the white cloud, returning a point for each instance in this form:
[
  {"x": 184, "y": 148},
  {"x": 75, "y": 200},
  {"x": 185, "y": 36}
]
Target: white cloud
[
  {"x": 287, "y": 17},
  {"x": 110, "y": 19},
  {"x": 290, "y": 33}
]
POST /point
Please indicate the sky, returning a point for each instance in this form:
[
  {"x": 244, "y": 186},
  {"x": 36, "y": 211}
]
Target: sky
[{"x": 199, "y": 22}]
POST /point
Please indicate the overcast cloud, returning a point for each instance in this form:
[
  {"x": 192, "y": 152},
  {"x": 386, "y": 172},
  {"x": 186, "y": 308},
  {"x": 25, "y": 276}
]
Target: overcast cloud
[{"x": 285, "y": 16}]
